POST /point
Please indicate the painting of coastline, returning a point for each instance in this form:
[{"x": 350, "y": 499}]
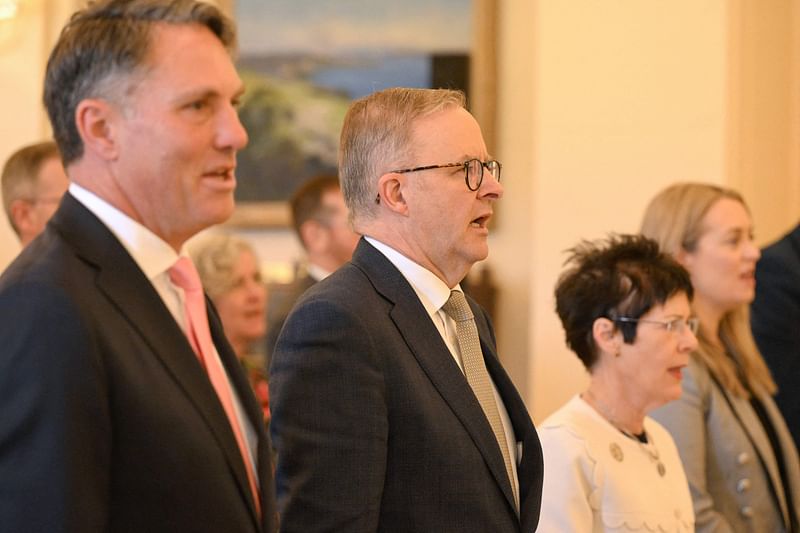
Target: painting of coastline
[{"x": 303, "y": 61}]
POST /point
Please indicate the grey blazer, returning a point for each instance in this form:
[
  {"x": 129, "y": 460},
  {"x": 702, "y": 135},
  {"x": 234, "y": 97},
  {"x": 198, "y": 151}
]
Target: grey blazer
[{"x": 732, "y": 472}]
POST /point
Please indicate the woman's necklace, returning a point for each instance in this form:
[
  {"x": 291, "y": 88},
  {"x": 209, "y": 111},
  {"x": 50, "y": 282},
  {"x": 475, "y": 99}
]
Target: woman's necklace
[
  {"x": 644, "y": 440},
  {"x": 649, "y": 446}
]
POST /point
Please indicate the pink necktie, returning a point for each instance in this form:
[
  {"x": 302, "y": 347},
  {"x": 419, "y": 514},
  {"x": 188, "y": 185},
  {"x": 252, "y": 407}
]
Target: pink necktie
[{"x": 184, "y": 275}]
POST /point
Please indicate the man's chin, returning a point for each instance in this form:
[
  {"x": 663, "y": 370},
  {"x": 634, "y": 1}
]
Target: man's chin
[
  {"x": 222, "y": 213},
  {"x": 480, "y": 252}
]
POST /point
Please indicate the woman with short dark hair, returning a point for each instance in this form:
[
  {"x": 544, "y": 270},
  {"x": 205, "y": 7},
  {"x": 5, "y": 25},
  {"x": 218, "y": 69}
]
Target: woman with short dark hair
[{"x": 625, "y": 308}]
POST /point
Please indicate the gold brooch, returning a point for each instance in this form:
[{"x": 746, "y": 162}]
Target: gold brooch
[{"x": 616, "y": 451}]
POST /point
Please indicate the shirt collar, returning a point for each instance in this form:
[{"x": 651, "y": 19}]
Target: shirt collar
[
  {"x": 432, "y": 291},
  {"x": 153, "y": 255},
  {"x": 317, "y": 272}
]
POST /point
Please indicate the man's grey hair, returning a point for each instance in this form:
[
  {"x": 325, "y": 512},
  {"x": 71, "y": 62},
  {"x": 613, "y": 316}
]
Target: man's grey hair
[
  {"x": 376, "y": 138},
  {"x": 103, "y": 47}
]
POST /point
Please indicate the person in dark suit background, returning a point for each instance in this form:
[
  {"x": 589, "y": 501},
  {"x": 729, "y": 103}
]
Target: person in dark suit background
[
  {"x": 775, "y": 317},
  {"x": 319, "y": 218},
  {"x": 33, "y": 181},
  {"x": 109, "y": 420},
  {"x": 376, "y": 424}
]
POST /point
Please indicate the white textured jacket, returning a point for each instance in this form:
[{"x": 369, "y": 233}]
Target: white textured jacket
[{"x": 597, "y": 479}]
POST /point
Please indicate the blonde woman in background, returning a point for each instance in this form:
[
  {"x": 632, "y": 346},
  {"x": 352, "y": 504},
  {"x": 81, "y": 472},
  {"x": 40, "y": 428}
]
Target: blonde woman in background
[
  {"x": 738, "y": 454},
  {"x": 231, "y": 277}
]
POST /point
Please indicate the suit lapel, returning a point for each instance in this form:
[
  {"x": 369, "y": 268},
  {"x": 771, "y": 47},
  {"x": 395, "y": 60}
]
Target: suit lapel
[
  {"x": 530, "y": 464},
  {"x": 754, "y": 429},
  {"x": 252, "y": 410},
  {"x": 236, "y": 375},
  {"x": 433, "y": 356},
  {"x": 124, "y": 284}
]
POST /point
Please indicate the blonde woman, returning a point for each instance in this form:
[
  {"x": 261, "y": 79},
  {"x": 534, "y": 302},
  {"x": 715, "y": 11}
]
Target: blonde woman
[{"x": 738, "y": 454}]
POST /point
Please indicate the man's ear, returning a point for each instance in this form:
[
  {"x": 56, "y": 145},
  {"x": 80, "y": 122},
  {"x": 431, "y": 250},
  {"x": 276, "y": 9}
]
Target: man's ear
[
  {"x": 390, "y": 192},
  {"x": 95, "y": 119},
  {"x": 20, "y": 214},
  {"x": 606, "y": 336}
]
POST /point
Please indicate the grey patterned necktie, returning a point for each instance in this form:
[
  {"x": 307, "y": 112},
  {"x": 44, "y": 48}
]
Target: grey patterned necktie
[{"x": 458, "y": 309}]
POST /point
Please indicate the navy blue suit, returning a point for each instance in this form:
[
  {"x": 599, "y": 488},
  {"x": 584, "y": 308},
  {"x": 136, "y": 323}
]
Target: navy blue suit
[
  {"x": 775, "y": 316},
  {"x": 107, "y": 420},
  {"x": 375, "y": 425}
]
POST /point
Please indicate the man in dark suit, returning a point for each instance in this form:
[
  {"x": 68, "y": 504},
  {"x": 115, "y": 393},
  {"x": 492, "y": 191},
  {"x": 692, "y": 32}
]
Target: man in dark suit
[
  {"x": 775, "y": 316},
  {"x": 122, "y": 406},
  {"x": 391, "y": 411},
  {"x": 319, "y": 218}
]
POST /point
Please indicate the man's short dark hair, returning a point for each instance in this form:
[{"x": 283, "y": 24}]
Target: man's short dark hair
[
  {"x": 306, "y": 202},
  {"x": 103, "y": 47},
  {"x": 622, "y": 275}
]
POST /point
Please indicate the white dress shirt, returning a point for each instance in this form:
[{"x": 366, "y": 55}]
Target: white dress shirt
[
  {"x": 155, "y": 257},
  {"x": 433, "y": 293}
]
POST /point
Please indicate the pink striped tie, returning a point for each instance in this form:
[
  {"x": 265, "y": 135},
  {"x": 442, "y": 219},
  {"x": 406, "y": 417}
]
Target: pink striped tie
[{"x": 184, "y": 275}]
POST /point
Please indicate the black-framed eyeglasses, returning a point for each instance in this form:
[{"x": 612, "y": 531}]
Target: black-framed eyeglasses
[
  {"x": 678, "y": 325},
  {"x": 473, "y": 170}
]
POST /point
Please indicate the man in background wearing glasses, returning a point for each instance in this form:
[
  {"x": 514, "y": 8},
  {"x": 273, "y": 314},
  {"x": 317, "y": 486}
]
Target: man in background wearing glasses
[
  {"x": 33, "y": 183},
  {"x": 391, "y": 411}
]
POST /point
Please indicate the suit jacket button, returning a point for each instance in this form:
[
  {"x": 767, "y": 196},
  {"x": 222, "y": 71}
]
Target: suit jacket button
[
  {"x": 746, "y": 511},
  {"x": 742, "y": 458},
  {"x": 743, "y": 485}
]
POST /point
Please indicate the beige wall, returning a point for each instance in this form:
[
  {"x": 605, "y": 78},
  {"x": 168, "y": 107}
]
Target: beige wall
[
  {"x": 763, "y": 133},
  {"x": 21, "y": 50},
  {"x": 629, "y": 96},
  {"x": 25, "y": 44},
  {"x": 600, "y": 104}
]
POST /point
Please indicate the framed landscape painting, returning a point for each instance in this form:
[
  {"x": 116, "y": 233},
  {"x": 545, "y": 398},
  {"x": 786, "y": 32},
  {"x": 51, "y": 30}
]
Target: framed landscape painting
[{"x": 304, "y": 61}]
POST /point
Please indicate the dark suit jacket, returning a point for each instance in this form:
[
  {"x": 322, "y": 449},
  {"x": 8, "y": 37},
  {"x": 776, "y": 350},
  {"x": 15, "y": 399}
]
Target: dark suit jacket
[
  {"x": 107, "y": 420},
  {"x": 280, "y": 305},
  {"x": 375, "y": 426},
  {"x": 776, "y": 322}
]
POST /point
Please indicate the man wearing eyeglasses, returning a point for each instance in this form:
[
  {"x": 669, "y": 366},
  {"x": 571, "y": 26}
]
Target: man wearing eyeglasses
[
  {"x": 391, "y": 411},
  {"x": 33, "y": 183}
]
